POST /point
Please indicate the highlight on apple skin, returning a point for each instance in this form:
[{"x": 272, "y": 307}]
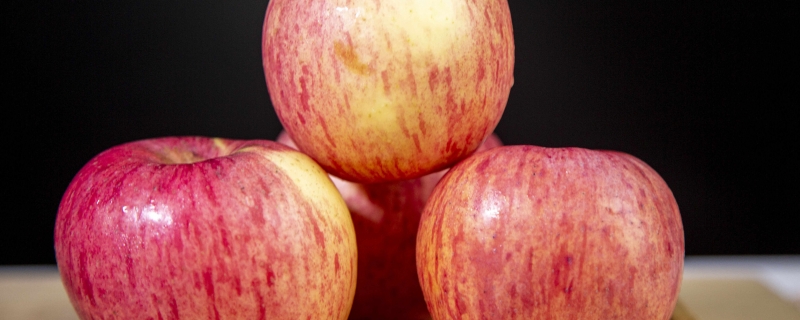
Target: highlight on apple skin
[
  {"x": 386, "y": 218},
  {"x": 379, "y": 91},
  {"x": 525, "y": 232},
  {"x": 199, "y": 228}
]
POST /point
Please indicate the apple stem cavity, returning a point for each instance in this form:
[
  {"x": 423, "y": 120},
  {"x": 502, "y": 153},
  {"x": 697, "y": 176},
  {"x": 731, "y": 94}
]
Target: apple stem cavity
[{"x": 189, "y": 152}]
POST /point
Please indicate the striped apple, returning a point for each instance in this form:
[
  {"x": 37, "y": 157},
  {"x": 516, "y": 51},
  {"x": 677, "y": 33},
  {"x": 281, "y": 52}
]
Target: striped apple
[
  {"x": 380, "y": 91},
  {"x": 199, "y": 228},
  {"x": 525, "y": 232}
]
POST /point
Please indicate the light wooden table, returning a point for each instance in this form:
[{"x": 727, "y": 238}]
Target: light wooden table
[
  {"x": 736, "y": 287},
  {"x": 730, "y": 288}
]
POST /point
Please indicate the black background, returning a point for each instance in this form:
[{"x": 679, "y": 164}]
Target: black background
[{"x": 702, "y": 92}]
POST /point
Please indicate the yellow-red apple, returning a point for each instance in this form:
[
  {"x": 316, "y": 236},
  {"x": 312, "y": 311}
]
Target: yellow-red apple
[
  {"x": 526, "y": 232},
  {"x": 380, "y": 91},
  {"x": 199, "y": 228}
]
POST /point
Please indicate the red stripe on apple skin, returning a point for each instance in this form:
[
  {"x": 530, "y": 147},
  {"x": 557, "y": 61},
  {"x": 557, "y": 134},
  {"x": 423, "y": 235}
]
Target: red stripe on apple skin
[
  {"x": 410, "y": 83},
  {"x": 421, "y": 124},
  {"x": 481, "y": 74},
  {"x": 387, "y": 87},
  {"x": 401, "y": 122},
  {"x": 326, "y": 132},
  {"x": 173, "y": 307},
  {"x": 85, "y": 281},
  {"x": 305, "y": 96},
  {"x": 433, "y": 76}
]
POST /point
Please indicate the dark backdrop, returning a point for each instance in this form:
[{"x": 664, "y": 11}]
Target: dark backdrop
[{"x": 701, "y": 92}]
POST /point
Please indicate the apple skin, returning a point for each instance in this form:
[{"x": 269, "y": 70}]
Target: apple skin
[
  {"x": 525, "y": 232},
  {"x": 379, "y": 91},
  {"x": 386, "y": 217},
  {"x": 200, "y": 228}
]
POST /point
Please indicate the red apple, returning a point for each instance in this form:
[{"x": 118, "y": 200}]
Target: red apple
[
  {"x": 526, "y": 232},
  {"x": 199, "y": 228},
  {"x": 380, "y": 91},
  {"x": 386, "y": 218}
]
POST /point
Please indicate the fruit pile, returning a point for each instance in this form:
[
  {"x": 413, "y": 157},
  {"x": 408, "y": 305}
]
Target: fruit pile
[{"x": 387, "y": 196}]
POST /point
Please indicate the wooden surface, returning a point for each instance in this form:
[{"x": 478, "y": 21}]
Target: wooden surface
[
  {"x": 681, "y": 313},
  {"x": 730, "y": 288},
  {"x": 33, "y": 293},
  {"x": 734, "y": 288},
  {"x": 712, "y": 299}
]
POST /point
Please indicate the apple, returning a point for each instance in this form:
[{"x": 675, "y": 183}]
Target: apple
[
  {"x": 200, "y": 228},
  {"x": 386, "y": 218},
  {"x": 525, "y": 232},
  {"x": 379, "y": 91}
]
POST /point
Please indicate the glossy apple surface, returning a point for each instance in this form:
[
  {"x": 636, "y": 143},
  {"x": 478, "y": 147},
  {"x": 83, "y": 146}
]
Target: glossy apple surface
[
  {"x": 199, "y": 228},
  {"x": 386, "y": 217},
  {"x": 525, "y": 232},
  {"x": 379, "y": 91}
]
